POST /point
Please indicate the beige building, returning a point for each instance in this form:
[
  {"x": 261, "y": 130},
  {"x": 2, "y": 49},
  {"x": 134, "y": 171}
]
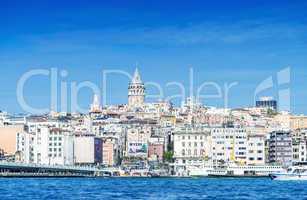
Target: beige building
[
  {"x": 298, "y": 122},
  {"x": 8, "y": 135},
  {"x": 110, "y": 151},
  {"x": 291, "y": 121}
]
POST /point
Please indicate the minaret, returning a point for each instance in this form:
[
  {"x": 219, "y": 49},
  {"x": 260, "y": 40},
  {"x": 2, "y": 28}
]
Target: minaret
[
  {"x": 136, "y": 91},
  {"x": 95, "y": 106}
]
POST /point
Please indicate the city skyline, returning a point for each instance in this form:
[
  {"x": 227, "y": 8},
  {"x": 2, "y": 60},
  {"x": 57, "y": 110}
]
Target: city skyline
[{"x": 255, "y": 41}]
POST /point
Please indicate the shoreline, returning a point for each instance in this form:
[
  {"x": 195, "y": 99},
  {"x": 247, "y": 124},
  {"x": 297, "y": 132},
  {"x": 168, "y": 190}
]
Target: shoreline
[{"x": 26, "y": 176}]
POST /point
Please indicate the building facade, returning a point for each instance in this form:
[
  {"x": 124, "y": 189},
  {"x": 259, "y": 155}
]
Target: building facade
[
  {"x": 88, "y": 149},
  {"x": 156, "y": 149},
  {"x": 280, "y": 147},
  {"x": 229, "y": 145},
  {"x": 47, "y": 145},
  {"x": 8, "y": 134},
  {"x": 299, "y": 146},
  {"x": 191, "y": 147},
  {"x": 137, "y": 141},
  {"x": 256, "y": 150},
  {"x": 111, "y": 151}
]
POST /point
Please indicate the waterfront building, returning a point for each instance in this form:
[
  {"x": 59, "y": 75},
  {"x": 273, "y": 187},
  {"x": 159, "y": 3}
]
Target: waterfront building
[
  {"x": 87, "y": 149},
  {"x": 48, "y": 145},
  {"x": 45, "y": 145},
  {"x": 8, "y": 134},
  {"x": 280, "y": 147},
  {"x": 25, "y": 147},
  {"x": 229, "y": 145},
  {"x": 54, "y": 146},
  {"x": 111, "y": 151},
  {"x": 136, "y": 92},
  {"x": 156, "y": 149},
  {"x": 255, "y": 149},
  {"x": 191, "y": 146},
  {"x": 299, "y": 146}
]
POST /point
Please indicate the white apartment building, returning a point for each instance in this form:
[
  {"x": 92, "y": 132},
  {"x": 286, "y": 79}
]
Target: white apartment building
[
  {"x": 256, "y": 150},
  {"x": 228, "y": 145},
  {"x": 299, "y": 146},
  {"x": 47, "y": 145},
  {"x": 25, "y": 147},
  {"x": 217, "y": 146},
  {"x": 191, "y": 146}
]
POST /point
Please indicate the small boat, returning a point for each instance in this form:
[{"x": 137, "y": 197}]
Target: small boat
[{"x": 294, "y": 173}]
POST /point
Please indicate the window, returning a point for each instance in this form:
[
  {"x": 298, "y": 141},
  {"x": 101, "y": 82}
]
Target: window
[{"x": 183, "y": 144}]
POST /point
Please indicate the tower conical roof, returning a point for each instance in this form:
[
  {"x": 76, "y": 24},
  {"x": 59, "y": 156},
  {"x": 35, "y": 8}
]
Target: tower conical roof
[{"x": 136, "y": 77}]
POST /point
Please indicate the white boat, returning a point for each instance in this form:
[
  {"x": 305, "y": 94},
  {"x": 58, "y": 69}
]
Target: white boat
[
  {"x": 294, "y": 173},
  {"x": 234, "y": 170}
]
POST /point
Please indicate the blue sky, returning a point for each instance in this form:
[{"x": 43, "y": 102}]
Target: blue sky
[{"x": 224, "y": 42}]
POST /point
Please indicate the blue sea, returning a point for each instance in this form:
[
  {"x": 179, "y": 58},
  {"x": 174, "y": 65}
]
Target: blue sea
[{"x": 160, "y": 188}]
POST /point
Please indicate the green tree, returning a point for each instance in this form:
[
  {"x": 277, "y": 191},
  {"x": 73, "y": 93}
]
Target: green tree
[{"x": 168, "y": 156}]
